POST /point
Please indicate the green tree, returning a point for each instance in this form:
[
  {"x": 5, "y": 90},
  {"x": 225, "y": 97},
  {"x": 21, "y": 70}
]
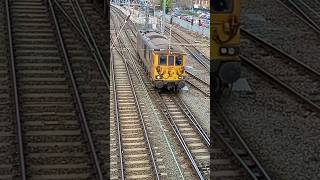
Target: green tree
[{"x": 168, "y": 5}]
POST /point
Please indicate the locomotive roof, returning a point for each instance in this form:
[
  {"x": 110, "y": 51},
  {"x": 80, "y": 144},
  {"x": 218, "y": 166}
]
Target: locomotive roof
[{"x": 158, "y": 41}]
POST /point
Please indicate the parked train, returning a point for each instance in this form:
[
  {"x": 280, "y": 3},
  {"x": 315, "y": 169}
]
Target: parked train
[
  {"x": 225, "y": 40},
  {"x": 164, "y": 65}
]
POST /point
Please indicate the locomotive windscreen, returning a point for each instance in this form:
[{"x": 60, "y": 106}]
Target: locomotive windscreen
[
  {"x": 171, "y": 60},
  {"x": 222, "y": 5}
]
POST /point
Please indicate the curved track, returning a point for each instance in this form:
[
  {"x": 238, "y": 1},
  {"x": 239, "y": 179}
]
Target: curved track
[
  {"x": 193, "y": 141},
  {"x": 291, "y": 73},
  {"x": 198, "y": 84},
  {"x": 205, "y": 62},
  {"x": 137, "y": 158},
  {"x": 134, "y": 146},
  {"x": 58, "y": 109},
  {"x": 192, "y": 79},
  {"x": 308, "y": 10},
  {"x": 231, "y": 140}
]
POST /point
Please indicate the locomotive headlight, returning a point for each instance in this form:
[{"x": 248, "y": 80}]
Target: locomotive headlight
[
  {"x": 223, "y": 50},
  {"x": 158, "y": 76},
  {"x": 231, "y": 51},
  {"x": 180, "y": 77}
]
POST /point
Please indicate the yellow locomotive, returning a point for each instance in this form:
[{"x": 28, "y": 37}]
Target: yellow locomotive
[
  {"x": 164, "y": 65},
  {"x": 225, "y": 36}
]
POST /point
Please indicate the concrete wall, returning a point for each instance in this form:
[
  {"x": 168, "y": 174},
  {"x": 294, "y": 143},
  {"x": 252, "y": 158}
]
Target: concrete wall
[{"x": 199, "y": 29}]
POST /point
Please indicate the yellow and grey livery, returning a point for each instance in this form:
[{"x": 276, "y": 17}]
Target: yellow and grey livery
[{"x": 164, "y": 65}]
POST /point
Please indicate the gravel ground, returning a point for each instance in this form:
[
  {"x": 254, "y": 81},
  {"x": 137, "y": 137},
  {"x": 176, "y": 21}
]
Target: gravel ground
[
  {"x": 269, "y": 19},
  {"x": 282, "y": 132},
  {"x": 196, "y": 38},
  {"x": 197, "y": 68},
  {"x": 199, "y": 105},
  {"x": 201, "y": 110}
]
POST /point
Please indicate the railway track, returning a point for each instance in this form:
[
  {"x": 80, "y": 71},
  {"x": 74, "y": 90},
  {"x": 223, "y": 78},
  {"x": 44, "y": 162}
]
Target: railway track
[
  {"x": 58, "y": 110},
  {"x": 192, "y": 79},
  {"x": 137, "y": 159},
  {"x": 308, "y": 10},
  {"x": 194, "y": 52},
  {"x": 194, "y": 145},
  {"x": 197, "y": 141},
  {"x": 227, "y": 136},
  {"x": 11, "y": 164},
  {"x": 194, "y": 163},
  {"x": 133, "y": 141},
  {"x": 292, "y": 74},
  {"x": 198, "y": 84},
  {"x": 92, "y": 77}
]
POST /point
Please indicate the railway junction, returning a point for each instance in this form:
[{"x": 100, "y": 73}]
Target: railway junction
[
  {"x": 58, "y": 89},
  {"x": 175, "y": 129},
  {"x": 73, "y": 87}
]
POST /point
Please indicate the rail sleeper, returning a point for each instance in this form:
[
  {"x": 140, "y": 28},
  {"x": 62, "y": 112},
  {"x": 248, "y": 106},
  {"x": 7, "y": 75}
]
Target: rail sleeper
[
  {"x": 54, "y": 146},
  {"x": 136, "y": 157}
]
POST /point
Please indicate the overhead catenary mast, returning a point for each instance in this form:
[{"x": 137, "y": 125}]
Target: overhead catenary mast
[
  {"x": 163, "y": 14},
  {"x": 146, "y": 25}
]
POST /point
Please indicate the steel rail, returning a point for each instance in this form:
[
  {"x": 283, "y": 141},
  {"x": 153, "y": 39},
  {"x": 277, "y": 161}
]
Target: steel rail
[
  {"x": 255, "y": 170},
  {"x": 155, "y": 168},
  {"x": 116, "y": 105},
  {"x": 16, "y": 96},
  {"x": 174, "y": 127},
  {"x": 200, "y": 58},
  {"x": 83, "y": 118},
  {"x": 185, "y": 148},
  {"x": 282, "y": 84},
  {"x": 201, "y": 81},
  {"x": 187, "y": 112},
  {"x": 164, "y": 109},
  {"x": 121, "y": 14},
  {"x": 197, "y": 78},
  {"x": 274, "y": 78},
  {"x": 194, "y": 76},
  {"x": 85, "y": 37},
  {"x": 199, "y": 89},
  {"x": 199, "y": 52},
  {"x": 135, "y": 35},
  {"x": 306, "y": 16},
  {"x": 141, "y": 117},
  {"x": 286, "y": 55},
  {"x": 285, "y": 4},
  {"x": 88, "y": 30}
]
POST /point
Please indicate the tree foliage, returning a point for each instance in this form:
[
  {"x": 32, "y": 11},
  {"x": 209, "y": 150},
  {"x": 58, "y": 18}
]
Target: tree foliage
[{"x": 168, "y": 5}]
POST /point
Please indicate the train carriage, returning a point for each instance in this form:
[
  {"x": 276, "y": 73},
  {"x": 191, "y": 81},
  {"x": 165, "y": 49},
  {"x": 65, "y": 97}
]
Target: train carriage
[
  {"x": 164, "y": 65},
  {"x": 225, "y": 40}
]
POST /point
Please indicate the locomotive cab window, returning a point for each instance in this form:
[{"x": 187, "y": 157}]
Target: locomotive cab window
[
  {"x": 163, "y": 60},
  {"x": 221, "y": 6},
  {"x": 171, "y": 60},
  {"x": 178, "y": 60}
]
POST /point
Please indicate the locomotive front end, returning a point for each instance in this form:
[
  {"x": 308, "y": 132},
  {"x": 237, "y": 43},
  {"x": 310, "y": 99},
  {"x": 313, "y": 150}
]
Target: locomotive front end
[
  {"x": 225, "y": 38},
  {"x": 169, "y": 71}
]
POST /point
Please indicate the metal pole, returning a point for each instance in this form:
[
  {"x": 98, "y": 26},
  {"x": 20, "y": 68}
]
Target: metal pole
[
  {"x": 170, "y": 36},
  {"x": 23, "y": 173},
  {"x": 147, "y": 16},
  {"x": 163, "y": 14},
  {"x": 154, "y": 8}
]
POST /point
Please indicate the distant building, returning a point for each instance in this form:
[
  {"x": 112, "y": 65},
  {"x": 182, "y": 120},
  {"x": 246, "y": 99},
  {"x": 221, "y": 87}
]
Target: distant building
[
  {"x": 186, "y": 4},
  {"x": 192, "y": 3},
  {"x": 202, "y": 4}
]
